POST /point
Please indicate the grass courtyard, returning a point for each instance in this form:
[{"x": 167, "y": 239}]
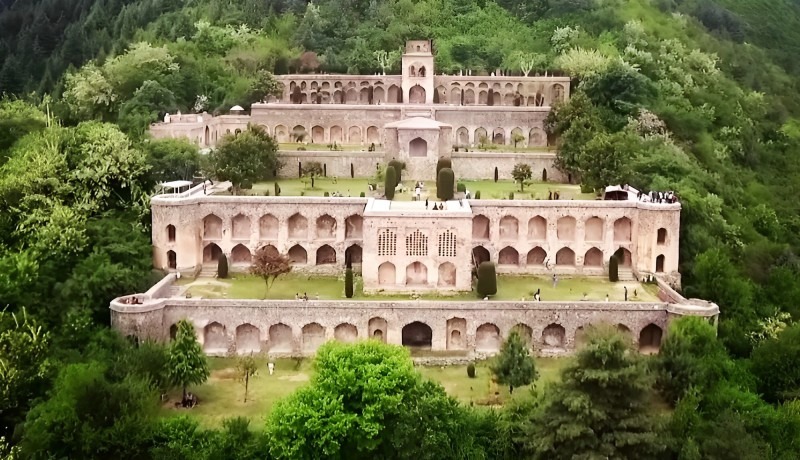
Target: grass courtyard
[
  {"x": 489, "y": 189},
  {"x": 509, "y": 288},
  {"x": 222, "y": 396}
]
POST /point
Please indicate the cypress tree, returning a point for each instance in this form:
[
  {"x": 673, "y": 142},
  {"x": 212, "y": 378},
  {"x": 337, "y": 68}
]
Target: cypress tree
[
  {"x": 348, "y": 283},
  {"x": 444, "y": 184},
  {"x": 487, "y": 279},
  {"x": 613, "y": 269},
  {"x": 389, "y": 183},
  {"x": 398, "y": 166},
  {"x": 222, "y": 266},
  {"x": 443, "y": 163}
]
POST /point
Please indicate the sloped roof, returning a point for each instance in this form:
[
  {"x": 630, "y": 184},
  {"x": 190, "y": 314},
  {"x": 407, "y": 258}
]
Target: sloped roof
[{"x": 417, "y": 123}]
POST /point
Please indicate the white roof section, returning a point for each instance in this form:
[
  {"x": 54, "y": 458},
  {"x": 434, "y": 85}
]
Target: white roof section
[
  {"x": 633, "y": 194},
  {"x": 417, "y": 123},
  {"x": 383, "y": 207},
  {"x": 177, "y": 184},
  {"x": 237, "y": 108}
]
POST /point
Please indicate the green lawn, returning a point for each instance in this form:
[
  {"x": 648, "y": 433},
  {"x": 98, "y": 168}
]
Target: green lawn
[
  {"x": 353, "y": 187},
  {"x": 331, "y": 288},
  {"x": 293, "y": 146},
  {"x": 223, "y": 395}
]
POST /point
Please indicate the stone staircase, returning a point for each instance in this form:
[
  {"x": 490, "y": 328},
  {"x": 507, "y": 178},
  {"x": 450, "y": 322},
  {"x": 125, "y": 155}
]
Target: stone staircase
[
  {"x": 210, "y": 271},
  {"x": 626, "y": 274}
]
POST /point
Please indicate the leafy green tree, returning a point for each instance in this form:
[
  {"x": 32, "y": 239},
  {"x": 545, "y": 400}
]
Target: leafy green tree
[
  {"x": 605, "y": 160},
  {"x": 269, "y": 264},
  {"x": 776, "y": 364},
  {"x": 246, "y": 368},
  {"x": 89, "y": 416},
  {"x": 17, "y": 119},
  {"x": 600, "y": 408},
  {"x": 187, "y": 364},
  {"x": 514, "y": 366},
  {"x": 89, "y": 94},
  {"x": 171, "y": 159},
  {"x": 250, "y": 156},
  {"x": 149, "y": 101},
  {"x": 521, "y": 173},
  {"x": 263, "y": 85}
]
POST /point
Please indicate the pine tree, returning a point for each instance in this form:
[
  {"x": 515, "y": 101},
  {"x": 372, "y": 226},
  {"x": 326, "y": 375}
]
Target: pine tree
[
  {"x": 514, "y": 366},
  {"x": 186, "y": 364},
  {"x": 600, "y": 409}
]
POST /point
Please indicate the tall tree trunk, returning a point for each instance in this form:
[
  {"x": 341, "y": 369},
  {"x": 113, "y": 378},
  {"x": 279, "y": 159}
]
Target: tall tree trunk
[
  {"x": 246, "y": 383},
  {"x": 511, "y": 389}
]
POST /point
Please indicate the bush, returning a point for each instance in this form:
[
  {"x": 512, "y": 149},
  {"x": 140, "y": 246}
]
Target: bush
[
  {"x": 222, "y": 267},
  {"x": 301, "y": 148},
  {"x": 471, "y": 370},
  {"x": 390, "y": 182},
  {"x": 398, "y": 166},
  {"x": 266, "y": 193},
  {"x": 443, "y": 163},
  {"x": 246, "y": 185},
  {"x": 444, "y": 184},
  {"x": 326, "y": 194},
  {"x": 496, "y": 174},
  {"x": 510, "y": 195},
  {"x": 277, "y": 189},
  {"x": 613, "y": 269},
  {"x": 348, "y": 283},
  {"x": 477, "y": 194},
  {"x": 487, "y": 279},
  {"x": 460, "y": 187},
  {"x": 362, "y": 194}
]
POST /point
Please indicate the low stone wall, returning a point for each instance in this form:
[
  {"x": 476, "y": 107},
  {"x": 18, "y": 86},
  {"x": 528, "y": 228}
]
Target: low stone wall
[
  {"x": 339, "y": 163},
  {"x": 481, "y": 165}
]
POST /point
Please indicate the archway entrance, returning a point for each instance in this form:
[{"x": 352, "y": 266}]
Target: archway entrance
[
  {"x": 418, "y": 147},
  {"x": 417, "y": 336},
  {"x": 416, "y": 95}
]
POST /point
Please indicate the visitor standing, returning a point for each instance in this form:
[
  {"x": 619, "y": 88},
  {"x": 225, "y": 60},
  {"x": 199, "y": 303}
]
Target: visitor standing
[
  {"x": 555, "y": 281},
  {"x": 626, "y": 293}
]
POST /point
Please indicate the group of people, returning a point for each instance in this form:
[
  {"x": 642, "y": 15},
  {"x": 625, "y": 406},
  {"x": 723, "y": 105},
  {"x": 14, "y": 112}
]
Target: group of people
[
  {"x": 436, "y": 207},
  {"x": 551, "y": 195},
  {"x": 658, "y": 197},
  {"x": 304, "y": 297}
]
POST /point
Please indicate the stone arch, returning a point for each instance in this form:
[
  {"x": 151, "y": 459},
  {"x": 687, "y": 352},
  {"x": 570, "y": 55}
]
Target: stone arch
[
  {"x": 416, "y": 95},
  {"x": 280, "y": 338},
  {"x": 326, "y": 255},
  {"x": 483, "y": 97},
  {"x": 625, "y": 331},
  {"x": 215, "y": 338},
  {"x": 268, "y": 227},
  {"x": 509, "y": 228},
  {"x": 211, "y": 253},
  {"x": 336, "y": 134},
  {"x": 487, "y": 338},
  {"x": 326, "y": 227},
  {"x": 580, "y": 337},
  {"x": 536, "y": 256},
  {"x": 377, "y": 329},
  {"x": 354, "y": 254},
  {"x": 537, "y": 229},
  {"x": 624, "y": 257},
  {"x": 418, "y": 147},
  {"x": 455, "y": 96},
  {"x": 594, "y": 229},
  {"x": 313, "y": 335},
  {"x": 354, "y": 135},
  {"x": 557, "y": 91},
  {"x": 241, "y": 227},
  {"x": 525, "y": 333},
  {"x": 660, "y": 263},
  {"x": 170, "y": 233},
  {"x": 373, "y": 135},
  {"x": 298, "y": 255},
  {"x": 363, "y": 96},
  {"x": 661, "y": 236},
  {"x": 173, "y": 332},
  {"x": 537, "y": 138},
  {"x": 462, "y": 136},
  {"x": 387, "y": 274},
  {"x": 565, "y": 256},
  {"x": 416, "y": 274},
  {"x": 351, "y": 96},
  {"x": 299, "y": 134},
  {"x": 212, "y": 227},
  {"x": 353, "y": 227},
  {"x": 172, "y": 260},
  {"x": 650, "y": 339},
  {"x": 337, "y": 97},
  {"x": 248, "y": 339},
  {"x": 508, "y": 256},
  {"x": 499, "y": 136},
  {"x": 456, "y": 333},
  {"x": 447, "y": 275},
  {"x": 240, "y": 255},
  {"x": 517, "y": 132},
  {"x": 480, "y": 227},
  {"x": 622, "y": 229},
  {"x": 480, "y": 254},
  {"x": 298, "y": 227},
  {"x": 480, "y": 133},
  {"x": 469, "y": 97},
  {"x": 282, "y": 133},
  {"x": 593, "y": 258},
  {"x": 417, "y": 335},
  {"x": 378, "y": 95},
  {"x": 318, "y": 134},
  {"x": 565, "y": 228},
  {"x": 393, "y": 94},
  {"x": 554, "y": 336},
  {"x": 346, "y": 333}
]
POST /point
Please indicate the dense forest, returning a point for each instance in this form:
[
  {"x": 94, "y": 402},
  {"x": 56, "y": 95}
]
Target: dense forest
[{"x": 696, "y": 96}]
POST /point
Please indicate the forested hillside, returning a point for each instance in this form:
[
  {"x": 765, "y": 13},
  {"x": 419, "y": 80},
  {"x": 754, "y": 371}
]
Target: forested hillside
[{"x": 696, "y": 96}]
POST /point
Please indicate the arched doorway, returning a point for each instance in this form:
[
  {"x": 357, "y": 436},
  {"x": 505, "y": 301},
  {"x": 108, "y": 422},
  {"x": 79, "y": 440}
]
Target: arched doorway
[
  {"x": 417, "y": 274},
  {"x": 172, "y": 260},
  {"x": 211, "y": 253},
  {"x": 650, "y": 339},
  {"x": 387, "y": 275},
  {"x": 659, "y": 264},
  {"x": 418, "y": 147},
  {"x": 416, "y": 95},
  {"x": 417, "y": 336}
]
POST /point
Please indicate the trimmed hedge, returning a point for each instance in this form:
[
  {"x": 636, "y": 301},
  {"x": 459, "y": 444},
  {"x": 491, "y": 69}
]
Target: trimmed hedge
[
  {"x": 348, "y": 283},
  {"x": 277, "y": 189},
  {"x": 444, "y": 184},
  {"x": 398, "y": 166},
  {"x": 471, "y": 370},
  {"x": 487, "y": 279},
  {"x": 613, "y": 269},
  {"x": 477, "y": 194},
  {"x": 390, "y": 182},
  {"x": 461, "y": 187},
  {"x": 222, "y": 266},
  {"x": 443, "y": 163}
]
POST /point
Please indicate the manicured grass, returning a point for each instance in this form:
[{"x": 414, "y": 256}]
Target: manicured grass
[
  {"x": 489, "y": 189},
  {"x": 509, "y": 288},
  {"x": 293, "y": 146},
  {"x": 222, "y": 396}
]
